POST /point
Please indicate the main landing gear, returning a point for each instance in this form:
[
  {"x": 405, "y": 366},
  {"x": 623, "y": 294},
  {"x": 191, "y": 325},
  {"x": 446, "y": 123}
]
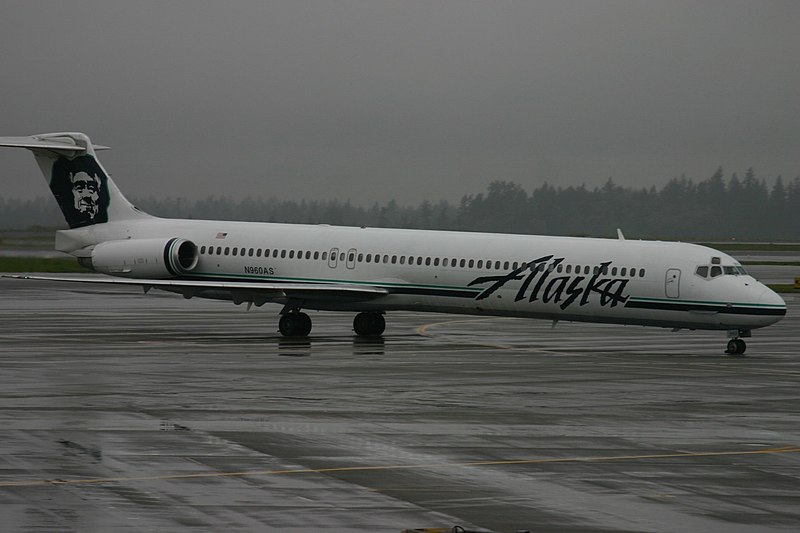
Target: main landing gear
[
  {"x": 736, "y": 346},
  {"x": 369, "y": 324},
  {"x": 295, "y": 324},
  {"x": 298, "y": 324}
]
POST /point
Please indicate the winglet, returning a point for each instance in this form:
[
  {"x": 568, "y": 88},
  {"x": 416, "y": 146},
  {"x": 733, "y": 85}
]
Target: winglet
[{"x": 620, "y": 236}]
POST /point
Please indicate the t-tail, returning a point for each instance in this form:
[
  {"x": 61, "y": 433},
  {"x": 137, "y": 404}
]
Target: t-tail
[{"x": 80, "y": 184}]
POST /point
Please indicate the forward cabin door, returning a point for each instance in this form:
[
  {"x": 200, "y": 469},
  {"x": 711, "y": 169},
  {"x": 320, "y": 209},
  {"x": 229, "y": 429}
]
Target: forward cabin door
[{"x": 673, "y": 283}]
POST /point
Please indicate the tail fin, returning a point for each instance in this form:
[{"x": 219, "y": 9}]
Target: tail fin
[{"x": 81, "y": 186}]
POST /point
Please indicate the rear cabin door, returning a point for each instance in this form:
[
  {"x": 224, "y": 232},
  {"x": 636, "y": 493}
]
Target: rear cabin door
[{"x": 672, "y": 283}]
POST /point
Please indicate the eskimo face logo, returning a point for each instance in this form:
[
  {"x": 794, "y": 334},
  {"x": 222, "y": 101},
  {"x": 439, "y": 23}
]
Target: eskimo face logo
[
  {"x": 81, "y": 189},
  {"x": 85, "y": 193}
]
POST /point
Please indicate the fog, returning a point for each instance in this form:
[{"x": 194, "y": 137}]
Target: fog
[{"x": 407, "y": 100}]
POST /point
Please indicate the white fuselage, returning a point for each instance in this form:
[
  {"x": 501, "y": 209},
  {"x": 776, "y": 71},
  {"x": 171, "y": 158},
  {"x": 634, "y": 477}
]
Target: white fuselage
[{"x": 557, "y": 278}]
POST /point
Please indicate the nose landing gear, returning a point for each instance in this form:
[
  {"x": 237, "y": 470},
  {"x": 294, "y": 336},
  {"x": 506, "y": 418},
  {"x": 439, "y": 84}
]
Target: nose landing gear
[{"x": 737, "y": 346}]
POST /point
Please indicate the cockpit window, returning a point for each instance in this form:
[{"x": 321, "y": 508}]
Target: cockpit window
[{"x": 706, "y": 271}]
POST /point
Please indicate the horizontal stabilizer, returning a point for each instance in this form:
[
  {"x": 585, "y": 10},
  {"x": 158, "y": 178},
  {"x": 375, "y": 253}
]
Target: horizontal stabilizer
[{"x": 51, "y": 142}]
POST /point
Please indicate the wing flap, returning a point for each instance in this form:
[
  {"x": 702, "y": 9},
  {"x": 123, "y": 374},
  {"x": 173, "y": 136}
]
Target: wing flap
[{"x": 240, "y": 291}]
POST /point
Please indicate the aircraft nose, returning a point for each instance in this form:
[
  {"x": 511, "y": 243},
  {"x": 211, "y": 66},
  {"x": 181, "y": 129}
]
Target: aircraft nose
[{"x": 769, "y": 299}]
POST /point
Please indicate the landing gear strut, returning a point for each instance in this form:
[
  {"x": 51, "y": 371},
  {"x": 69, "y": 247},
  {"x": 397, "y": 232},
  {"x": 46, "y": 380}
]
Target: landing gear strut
[
  {"x": 295, "y": 324},
  {"x": 369, "y": 324}
]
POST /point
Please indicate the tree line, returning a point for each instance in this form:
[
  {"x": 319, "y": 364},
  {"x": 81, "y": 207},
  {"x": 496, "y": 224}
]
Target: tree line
[{"x": 714, "y": 208}]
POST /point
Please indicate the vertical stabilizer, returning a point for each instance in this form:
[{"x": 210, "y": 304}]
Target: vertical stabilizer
[{"x": 80, "y": 184}]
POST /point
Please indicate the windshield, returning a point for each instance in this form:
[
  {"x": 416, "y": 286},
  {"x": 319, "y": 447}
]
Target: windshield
[{"x": 704, "y": 271}]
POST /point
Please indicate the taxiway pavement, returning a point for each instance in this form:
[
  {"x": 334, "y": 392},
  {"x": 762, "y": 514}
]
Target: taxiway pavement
[{"x": 125, "y": 412}]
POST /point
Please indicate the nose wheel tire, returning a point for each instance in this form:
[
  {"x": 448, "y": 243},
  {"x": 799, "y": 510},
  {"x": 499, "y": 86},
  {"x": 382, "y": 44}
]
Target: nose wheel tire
[
  {"x": 736, "y": 347},
  {"x": 369, "y": 324},
  {"x": 295, "y": 325}
]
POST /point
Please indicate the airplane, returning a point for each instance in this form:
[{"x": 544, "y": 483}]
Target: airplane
[{"x": 372, "y": 271}]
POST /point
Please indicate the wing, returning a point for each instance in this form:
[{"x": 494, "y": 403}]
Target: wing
[{"x": 238, "y": 291}]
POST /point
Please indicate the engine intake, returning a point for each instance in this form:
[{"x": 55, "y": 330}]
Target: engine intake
[{"x": 145, "y": 258}]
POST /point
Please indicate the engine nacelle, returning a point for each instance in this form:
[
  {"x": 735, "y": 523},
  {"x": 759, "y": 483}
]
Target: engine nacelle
[{"x": 145, "y": 258}]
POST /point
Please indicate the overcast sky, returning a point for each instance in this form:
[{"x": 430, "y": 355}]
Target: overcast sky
[{"x": 409, "y": 99}]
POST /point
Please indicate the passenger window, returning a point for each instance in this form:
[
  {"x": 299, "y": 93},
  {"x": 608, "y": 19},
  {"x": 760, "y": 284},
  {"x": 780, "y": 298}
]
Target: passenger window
[
  {"x": 641, "y": 272},
  {"x": 324, "y": 256},
  {"x": 471, "y": 263},
  {"x": 258, "y": 252},
  {"x": 394, "y": 259},
  {"x": 435, "y": 261},
  {"x": 515, "y": 265},
  {"x": 716, "y": 271},
  {"x": 445, "y": 262},
  {"x": 250, "y": 252},
  {"x": 283, "y": 254},
  {"x": 506, "y": 265},
  {"x": 210, "y": 250},
  {"x": 480, "y": 263},
  {"x": 219, "y": 250},
  {"x": 235, "y": 250},
  {"x": 341, "y": 256},
  {"x": 351, "y": 257},
  {"x": 463, "y": 263},
  {"x": 275, "y": 253},
  {"x": 569, "y": 269},
  {"x": 316, "y": 255},
  {"x": 614, "y": 271},
  {"x": 419, "y": 261},
  {"x": 586, "y": 269},
  {"x": 243, "y": 251},
  {"x": 559, "y": 268},
  {"x": 202, "y": 250},
  {"x": 623, "y": 271},
  {"x": 227, "y": 250},
  {"x": 402, "y": 260},
  {"x": 702, "y": 271},
  {"x": 369, "y": 258}
]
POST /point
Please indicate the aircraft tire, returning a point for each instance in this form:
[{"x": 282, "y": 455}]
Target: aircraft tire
[
  {"x": 295, "y": 325},
  {"x": 736, "y": 347},
  {"x": 369, "y": 324}
]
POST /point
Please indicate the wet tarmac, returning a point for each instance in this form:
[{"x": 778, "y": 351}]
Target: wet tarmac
[{"x": 124, "y": 412}]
